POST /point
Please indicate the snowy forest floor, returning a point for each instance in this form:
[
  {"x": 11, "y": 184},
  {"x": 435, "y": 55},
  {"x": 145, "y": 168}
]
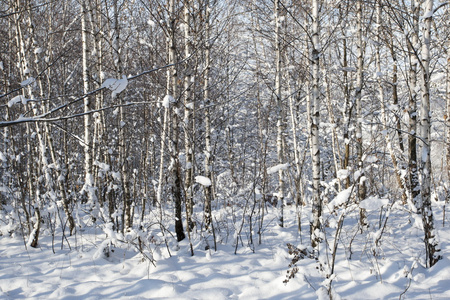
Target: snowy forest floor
[{"x": 393, "y": 269}]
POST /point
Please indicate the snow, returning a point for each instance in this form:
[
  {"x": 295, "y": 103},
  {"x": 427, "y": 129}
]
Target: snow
[
  {"x": 167, "y": 100},
  {"x": 427, "y": 15},
  {"x": 17, "y": 99},
  {"x": 116, "y": 176},
  {"x": 277, "y": 168},
  {"x": 342, "y": 174},
  {"x": 38, "y": 50},
  {"x": 115, "y": 85},
  {"x": 113, "y": 268},
  {"x": 348, "y": 69},
  {"x": 103, "y": 166},
  {"x": 371, "y": 159},
  {"x": 340, "y": 199},
  {"x": 205, "y": 181},
  {"x": 27, "y": 81},
  {"x": 373, "y": 203},
  {"x": 437, "y": 76},
  {"x": 425, "y": 154}
]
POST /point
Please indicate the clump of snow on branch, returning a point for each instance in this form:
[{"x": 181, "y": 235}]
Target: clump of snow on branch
[
  {"x": 340, "y": 199},
  {"x": 373, "y": 203},
  {"x": 151, "y": 23},
  {"x": 205, "y": 181},
  {"x": 38, "y": 50},
  {"x": 427, "y": 15},
  {"x": 342, "y": 174},
  {"x": 17, "y": 99},
  {"x": 115, "y": 85},
  {"x": 104, "y": 167},
  {"x": 167, "y": 100},
  {"x": 27, "y": 81},
  {"x": 277, "y": 168}
]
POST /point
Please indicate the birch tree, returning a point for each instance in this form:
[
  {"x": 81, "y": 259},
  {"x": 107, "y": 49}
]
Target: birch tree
[
  {"x": 380, "y": 81},
  {"x": 361, "y": 178},
  {"x": 431, "y": 244},
  {"x": 447, "y": 116},
  {"x": 315, "y": 123},
  {"x": 412, "y": 141},
  {"x": 172, "y": 88},
  {"x": 279, "y": 19},
  {"x": 88, "y": 178},
  {"x": 189, "y": 108},
  {"x": 207, "y": 101}
]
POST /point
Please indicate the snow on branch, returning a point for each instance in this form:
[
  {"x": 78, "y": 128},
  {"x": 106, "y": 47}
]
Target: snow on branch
[
  {"x": 115, "y": 85},
  {"x": 277, "y": 168},
  {"x": 205, "y": 181}
]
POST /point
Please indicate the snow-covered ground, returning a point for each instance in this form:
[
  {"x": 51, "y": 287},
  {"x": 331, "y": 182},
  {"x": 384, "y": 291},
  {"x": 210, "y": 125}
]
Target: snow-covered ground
[{"x": 391, "y": 270}]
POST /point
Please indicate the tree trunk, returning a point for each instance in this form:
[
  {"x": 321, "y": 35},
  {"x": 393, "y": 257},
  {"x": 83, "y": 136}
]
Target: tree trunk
[
  {"x": 173, "y": 90},
  {"x": 347, "y": 114},
  {"x": 88, "y": 179},
  {"x": 279, "y": 109},
  {"x": 412, "y": 141},
  {"x": 361, "y": 183},
  {"x": 189, "y": 107},
  {"x": 447, "y": 116},
  {"x": 431, "y": 244},
  {"x": 206, "y": 96},
  {"x": 380, "y": 75},
  {"x": 315, "y": 122}
]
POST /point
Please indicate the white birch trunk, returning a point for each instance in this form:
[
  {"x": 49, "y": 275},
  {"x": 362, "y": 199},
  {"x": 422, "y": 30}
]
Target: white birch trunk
[
  {"x": 189, "y": 107},
  {"x": 279, "y": 108},
  {"x": 358, "y": 99},
  {"x": 315, "y": 122},
  {"x": 172, "y": 87},
  {"x": 431, "y": 245},
  {"x": 447, "y": 116},
  {"x": 37, "y": 163},
  {"x": 384, "y": 116},
  {"x": 206, "y": 96},
  {"x": 88, "y": 179},
  {"x": 361, "y": 178},
  {"x": 412, "y": 141}
]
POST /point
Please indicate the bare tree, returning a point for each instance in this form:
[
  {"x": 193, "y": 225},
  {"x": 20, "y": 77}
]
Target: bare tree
[
  {"x": 315, "y": 123},
  {"x": 279, "y": 20},
  {"x": 431, "y": 244},
  {"x": 358, "y": 103}
]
